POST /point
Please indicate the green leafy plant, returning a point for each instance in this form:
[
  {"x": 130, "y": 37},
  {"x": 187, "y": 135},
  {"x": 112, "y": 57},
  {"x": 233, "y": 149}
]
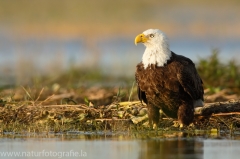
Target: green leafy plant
[{"x": 218, "y": 75}]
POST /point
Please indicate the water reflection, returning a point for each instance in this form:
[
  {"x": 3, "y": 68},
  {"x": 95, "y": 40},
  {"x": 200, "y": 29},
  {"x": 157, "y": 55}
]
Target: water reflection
[
  {"x": 173, "y": 145},
  {"x": 175, "y": 148}
]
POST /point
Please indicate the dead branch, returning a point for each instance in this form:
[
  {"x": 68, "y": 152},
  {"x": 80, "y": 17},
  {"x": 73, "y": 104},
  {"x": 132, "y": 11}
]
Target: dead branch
[{"x": 218, "y": 108}]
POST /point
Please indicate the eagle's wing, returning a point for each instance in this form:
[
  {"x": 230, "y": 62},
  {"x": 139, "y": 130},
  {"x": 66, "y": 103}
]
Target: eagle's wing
[
  {"x": 191, "y": 81},
  {"x": 141, "y": 94}
]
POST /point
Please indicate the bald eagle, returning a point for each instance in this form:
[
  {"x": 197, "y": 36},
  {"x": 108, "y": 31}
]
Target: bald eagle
[{"x": 167, "y": 81}]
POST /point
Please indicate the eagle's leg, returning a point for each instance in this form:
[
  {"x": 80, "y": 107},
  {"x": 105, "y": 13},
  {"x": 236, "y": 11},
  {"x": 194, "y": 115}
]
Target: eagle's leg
[
  {"x": 185, "y": 114},
  {"x": 153, "y": 115}
]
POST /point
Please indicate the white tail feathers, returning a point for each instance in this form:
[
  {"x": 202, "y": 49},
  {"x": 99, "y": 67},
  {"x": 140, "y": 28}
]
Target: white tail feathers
[{"x": 198, "y": 103}]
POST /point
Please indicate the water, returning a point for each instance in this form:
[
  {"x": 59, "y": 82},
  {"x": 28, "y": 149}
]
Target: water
[
  {"x": 109, "y": 54},
  {"x": 26, "y": 58},
  {"x": 175, "y": 145}
]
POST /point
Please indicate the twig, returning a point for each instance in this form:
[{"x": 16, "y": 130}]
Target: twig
[
  {"x": 60, "y": 96},
  {"x": 39, "y": 94},
  {"x": 111, "y": 119},
  {"x": 27, "y": 93},
  {"x": 66, "y": 105},
  {"x": 129, "y": 98},
  {"x": 48, "y": 98},
  {"x": 223, "y": 114},
  {"x": 223, "y": 121},
  {"x": 129, "y": 103}
]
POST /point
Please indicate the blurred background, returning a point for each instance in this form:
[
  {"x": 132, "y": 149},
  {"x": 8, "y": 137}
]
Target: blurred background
[{"x": 42, "y": 38}]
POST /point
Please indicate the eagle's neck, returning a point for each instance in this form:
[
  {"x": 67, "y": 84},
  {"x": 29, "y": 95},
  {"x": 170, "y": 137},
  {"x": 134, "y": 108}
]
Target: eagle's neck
[{"x": 157, "y": 55}]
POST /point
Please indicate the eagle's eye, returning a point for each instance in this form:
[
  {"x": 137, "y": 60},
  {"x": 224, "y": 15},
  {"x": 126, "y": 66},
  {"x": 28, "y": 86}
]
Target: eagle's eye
[{"x": 151, "y": 35}]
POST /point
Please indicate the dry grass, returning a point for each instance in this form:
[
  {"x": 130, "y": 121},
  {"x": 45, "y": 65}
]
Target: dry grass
[{"x": 43, "y": 111}]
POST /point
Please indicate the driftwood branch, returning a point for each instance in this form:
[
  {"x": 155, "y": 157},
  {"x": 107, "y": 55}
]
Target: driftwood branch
[{"x": 230, "y": 108}]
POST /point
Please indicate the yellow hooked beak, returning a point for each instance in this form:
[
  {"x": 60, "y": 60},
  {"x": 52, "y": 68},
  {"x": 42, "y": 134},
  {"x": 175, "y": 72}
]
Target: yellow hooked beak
[{"x": 140, "y": 38}]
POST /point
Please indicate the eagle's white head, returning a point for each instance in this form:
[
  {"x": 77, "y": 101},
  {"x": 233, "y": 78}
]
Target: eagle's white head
[{"x": 157, "y": 49}]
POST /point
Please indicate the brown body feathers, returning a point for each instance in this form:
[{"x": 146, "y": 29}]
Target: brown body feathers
[{"x": 174, "y": 88}]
